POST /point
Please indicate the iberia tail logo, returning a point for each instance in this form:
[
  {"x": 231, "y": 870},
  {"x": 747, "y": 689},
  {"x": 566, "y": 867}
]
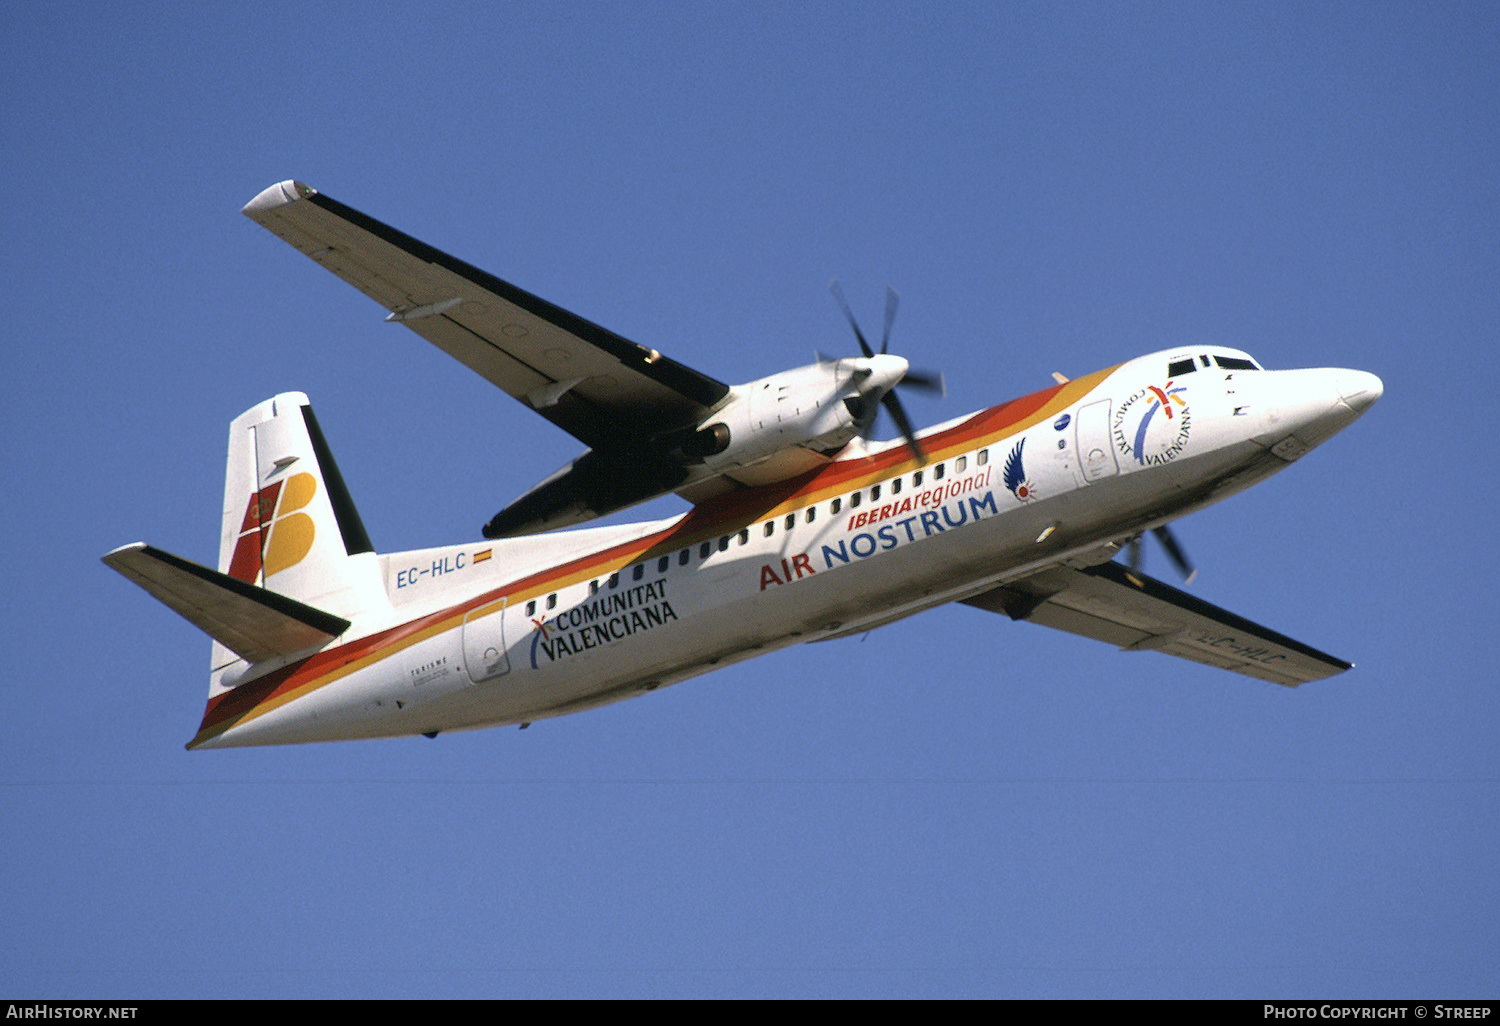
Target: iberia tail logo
[{"x": 275, "y": 535}]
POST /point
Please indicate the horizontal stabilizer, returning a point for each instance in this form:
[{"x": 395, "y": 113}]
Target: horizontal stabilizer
[
  {"x": 254, "y": 623},
  {"x": 1126, "y": 608}
]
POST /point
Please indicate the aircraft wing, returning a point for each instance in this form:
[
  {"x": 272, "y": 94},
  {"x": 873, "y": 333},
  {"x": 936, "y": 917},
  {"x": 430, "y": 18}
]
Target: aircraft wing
[
  {"x": 610, "y": 393},
  {"x": 1110, "y": 603}
]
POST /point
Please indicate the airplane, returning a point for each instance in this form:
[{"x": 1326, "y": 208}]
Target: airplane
[{"x": 802, "y": 526}]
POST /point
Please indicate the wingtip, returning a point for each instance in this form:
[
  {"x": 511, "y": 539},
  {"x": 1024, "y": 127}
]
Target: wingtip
[
  {"x": 278, "y": 195},
  {"x": 111, "y": 557}
]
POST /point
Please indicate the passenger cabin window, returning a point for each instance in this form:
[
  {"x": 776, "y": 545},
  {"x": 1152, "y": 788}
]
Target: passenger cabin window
[
  {"x": 663, "y": 563},
  {"x": 614, "y": 579},
  {"x": 705, "y": 549},
  {"x": 684, "y": 557},
  {"x": 835, "y": 505},
  {"x": 937, "y": 472},
  {"x": 552, "y": 601},
  {"x": 874, "y": 492},
  {"x": 984, "y": 457},
  {"x": 638, "y": 572},
  {"x": 531, "y": 608},
  {"x": 791, "y": 521},
  {"x": 594, "y": 587},
  {"x": 812, "y": 512},
  {"x": 854, "y": 501},
  {"x": 916, "y": 479},
  {"x": 770, "y": 528},
  {"x": 896, "y": 487},
  {"x": 1177, "y": 368},
  {"x": 724, "y": 543},
  {"x": 959, "y": 464},
  {"x": 745, "y": 536}
]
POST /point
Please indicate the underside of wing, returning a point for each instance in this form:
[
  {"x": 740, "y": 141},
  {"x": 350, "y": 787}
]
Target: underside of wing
[
  {"x": 1126, "y": 608},
  {"x": 254, "y": 623},
  {"x": 607, "y": 391}
]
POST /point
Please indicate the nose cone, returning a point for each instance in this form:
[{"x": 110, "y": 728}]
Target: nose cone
[
  {"x": 1307, "y": 407},
  {"x": 1359, "y": 389}
]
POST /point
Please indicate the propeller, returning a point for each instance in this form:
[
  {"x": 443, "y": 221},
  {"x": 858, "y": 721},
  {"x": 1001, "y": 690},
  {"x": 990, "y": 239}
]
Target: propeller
[
  {"x": 1174, "y": 552},
  {"x": 921, "y": 380}
]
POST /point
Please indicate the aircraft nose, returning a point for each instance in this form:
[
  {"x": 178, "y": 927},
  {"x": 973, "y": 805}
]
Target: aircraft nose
[
  {"x": 1310, "y": 406},
  {"x": 1359, "y": 389}
]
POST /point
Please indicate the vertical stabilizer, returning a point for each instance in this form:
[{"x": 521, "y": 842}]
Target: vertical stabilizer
[{"x": 289, "y": 524}]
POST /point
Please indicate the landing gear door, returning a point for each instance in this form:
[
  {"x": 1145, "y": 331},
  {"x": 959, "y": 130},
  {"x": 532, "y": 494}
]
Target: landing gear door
[
  {"x": 484, "y": 643},
  {"x": 1096, "y": 456}
]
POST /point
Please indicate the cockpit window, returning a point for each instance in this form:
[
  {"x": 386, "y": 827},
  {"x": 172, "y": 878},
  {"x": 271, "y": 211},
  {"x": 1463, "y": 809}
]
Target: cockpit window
[
  {"x": 1235, "y": 363},
  {"x": 1177, "y": 368}
]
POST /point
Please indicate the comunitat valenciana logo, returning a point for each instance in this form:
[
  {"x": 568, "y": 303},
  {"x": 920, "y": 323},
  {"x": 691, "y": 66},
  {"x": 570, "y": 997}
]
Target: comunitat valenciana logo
[
  {"x": 1152, "y": 426},
  {"x": 275, "y": 534}
]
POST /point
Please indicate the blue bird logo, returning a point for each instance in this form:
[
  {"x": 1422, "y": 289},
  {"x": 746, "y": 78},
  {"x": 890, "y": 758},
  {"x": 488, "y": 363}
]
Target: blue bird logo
[{"x": 1015, "y": 474}]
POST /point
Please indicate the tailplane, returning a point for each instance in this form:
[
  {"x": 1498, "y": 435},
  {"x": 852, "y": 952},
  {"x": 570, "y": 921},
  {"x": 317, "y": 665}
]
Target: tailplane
[{"x": 253, "y": 623}]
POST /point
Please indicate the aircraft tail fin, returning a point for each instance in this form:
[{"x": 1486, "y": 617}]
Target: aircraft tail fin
[
  {"x": 289, "y": 523},
  {"x": 296, "y": 567},
  {"x": 284, "y": 499}
]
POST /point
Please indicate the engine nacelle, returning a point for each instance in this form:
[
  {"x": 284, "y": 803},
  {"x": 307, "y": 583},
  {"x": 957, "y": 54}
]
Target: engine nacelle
[
  {"x": 767, "y": 430},
  {"x": 803, "y": 407}
]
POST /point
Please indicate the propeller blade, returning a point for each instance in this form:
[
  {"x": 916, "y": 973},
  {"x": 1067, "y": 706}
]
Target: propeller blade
[
  {"x": 898, "y": 414},
  {"x": 891, "y": 299},
  {"x": 860, "y": 407},
  {"x": 1169, "y": 542},
  {"x": 838, "y": 294},
  {"x": 925, "y": 381}
]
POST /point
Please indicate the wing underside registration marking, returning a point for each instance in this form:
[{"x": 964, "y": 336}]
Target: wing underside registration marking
[{"x": 1135, "y": 612}]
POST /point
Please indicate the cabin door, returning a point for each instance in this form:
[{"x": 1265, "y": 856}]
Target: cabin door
[
  {"x": 1096, "y": 456},
  {"x": 484, "y": 643}
]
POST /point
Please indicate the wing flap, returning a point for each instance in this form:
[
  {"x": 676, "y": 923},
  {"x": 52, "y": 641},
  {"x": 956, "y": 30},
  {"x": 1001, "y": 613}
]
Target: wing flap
[
  {"x": 469, "y": 348},
  {"x": 1134, "y": 612},
  {"x": 254, "y": 623}
]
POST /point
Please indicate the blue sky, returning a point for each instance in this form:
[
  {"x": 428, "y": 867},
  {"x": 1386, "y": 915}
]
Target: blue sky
[{"x": 953, "y": 805}]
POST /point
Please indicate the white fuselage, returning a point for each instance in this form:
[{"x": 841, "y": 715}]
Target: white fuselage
[{"x": 516, "y": 630}]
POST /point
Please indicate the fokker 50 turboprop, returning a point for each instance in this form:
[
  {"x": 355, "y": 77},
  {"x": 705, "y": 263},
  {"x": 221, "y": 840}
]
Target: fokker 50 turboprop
[{"x": 801, "y": 528}]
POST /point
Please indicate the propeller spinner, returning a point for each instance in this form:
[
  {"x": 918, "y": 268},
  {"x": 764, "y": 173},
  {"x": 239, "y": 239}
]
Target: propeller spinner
[{"x": 886, "y": 375}]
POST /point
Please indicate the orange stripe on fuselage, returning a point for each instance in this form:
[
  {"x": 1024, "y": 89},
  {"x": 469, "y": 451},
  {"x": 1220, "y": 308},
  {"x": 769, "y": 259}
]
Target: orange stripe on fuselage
[{"x": 723, "y": 514}]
